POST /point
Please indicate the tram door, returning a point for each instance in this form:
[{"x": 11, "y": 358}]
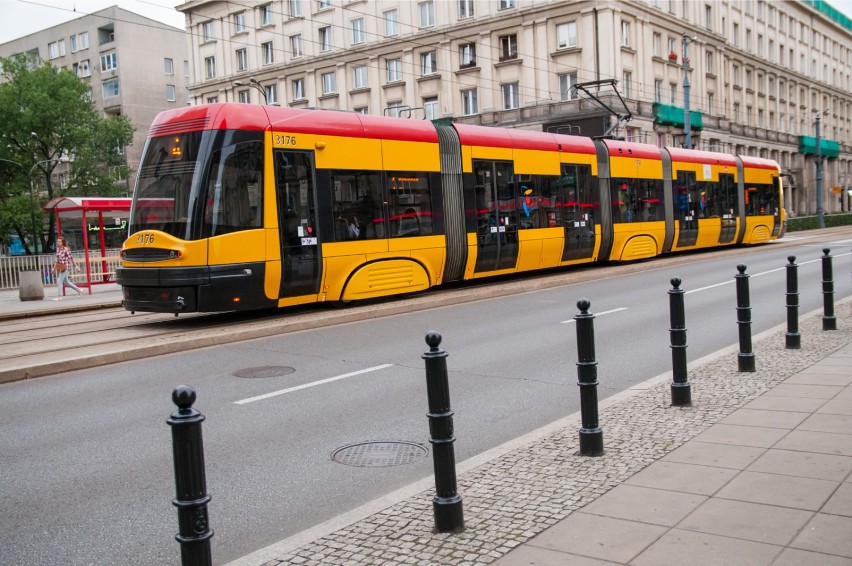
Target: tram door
[
  {"x": 297, "y": 224},
  {"x": 728, "y": 208},
  {"x": 687, "y": 208},
  {"x": 497, "y": 215},
  {"x": 578, "y": 209}
]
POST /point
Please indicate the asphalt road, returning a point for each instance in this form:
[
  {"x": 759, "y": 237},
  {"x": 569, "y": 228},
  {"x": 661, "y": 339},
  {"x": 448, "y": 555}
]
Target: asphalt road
[{"x": 87, "y": 475}]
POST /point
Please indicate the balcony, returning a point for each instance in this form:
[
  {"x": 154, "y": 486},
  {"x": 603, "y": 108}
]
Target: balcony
[
  {"x": 827, "y": 148},
  {"x": 667, "y": 115}
]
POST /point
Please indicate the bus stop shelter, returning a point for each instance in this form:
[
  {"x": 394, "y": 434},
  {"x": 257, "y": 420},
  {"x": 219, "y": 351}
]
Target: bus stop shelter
[{"x": 96, "y": 225}]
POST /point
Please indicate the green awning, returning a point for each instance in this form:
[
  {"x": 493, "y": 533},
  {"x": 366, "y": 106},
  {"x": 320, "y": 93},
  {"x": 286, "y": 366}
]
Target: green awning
[
  {"x": 827, "y": 148},
  {"x": 667, "y": 115}
]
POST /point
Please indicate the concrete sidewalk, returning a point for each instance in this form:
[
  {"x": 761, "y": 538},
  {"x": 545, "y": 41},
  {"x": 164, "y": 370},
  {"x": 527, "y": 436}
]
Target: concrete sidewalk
[
  {"x": 757, "y": 471},
  {"x": 103, "y": 295}
]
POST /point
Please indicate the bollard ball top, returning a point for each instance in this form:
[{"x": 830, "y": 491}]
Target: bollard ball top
[
  {"x": 183, "y": 396},
  {"x": 675, "y": 282},
  {"x": 791, "y": 259},
  {"x": 741, "y": 268},
  {"x": 433, "y": 339},
  {"x": 584, "y": 304},
  {"x": 826, "y": 250}
]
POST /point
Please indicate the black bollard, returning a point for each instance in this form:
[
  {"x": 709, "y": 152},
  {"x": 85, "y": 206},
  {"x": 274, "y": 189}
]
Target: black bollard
[
  {"x": 745, "y": 359},
  {"x": 447, "y": 503},
  {"x": 828, "y": 320},
  {"x": 194, "y": 531},
  {"x": 591, "y": 435},
  {"x": 681, "y": 390},
  {"x": 792, "y": 339}
]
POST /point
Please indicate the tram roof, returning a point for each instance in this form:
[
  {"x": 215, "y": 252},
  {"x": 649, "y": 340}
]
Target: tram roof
[
  {"x": 700, "y": 156},
  {"x": 485, "y": 136},
  {"x": 618, "y": 148},
  {"x": 759, "y": 162}
]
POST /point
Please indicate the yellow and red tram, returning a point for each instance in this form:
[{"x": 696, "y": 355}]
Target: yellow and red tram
[{"x": 244, "y": 207}]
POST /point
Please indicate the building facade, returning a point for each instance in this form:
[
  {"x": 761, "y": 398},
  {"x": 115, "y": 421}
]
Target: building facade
[
  {"x": 134, "y": 66},
  {"x": 760, "y": 72}
]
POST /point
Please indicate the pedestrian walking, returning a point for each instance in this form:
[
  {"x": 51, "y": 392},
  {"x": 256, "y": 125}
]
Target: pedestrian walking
[{"x": 64, "y": 263}]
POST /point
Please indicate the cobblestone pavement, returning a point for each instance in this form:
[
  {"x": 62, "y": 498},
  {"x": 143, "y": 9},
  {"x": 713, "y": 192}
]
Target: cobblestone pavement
[{"x": 514, "y": 497}]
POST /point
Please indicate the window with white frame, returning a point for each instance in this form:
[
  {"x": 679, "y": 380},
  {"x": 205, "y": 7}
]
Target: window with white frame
[
  {"x": 361, "y": 110},
  {"x": 110, "y": 88},
  {"x": 271, "y": 94},
  {"x": 391, "y": 18},
  {"x": 506, "y": 4},
  {"x": 465, "y": 9},
  {"x": 508, "y": 47},
  {"x": 207, "y": 31},
  {"x": 53, "y": 50},
  {"x": 467, "y": 55},
  {"x": 394, "y": 109},
  {"x": 329, "y": 83},
  {"x": 626, "y": 80},
  {"x": 325, "y": 38},
  {"x": 186, "y": 68},
  {"x": 736, "y": 112},
  {"x": 169, "y": 66},
  {"x": 656, "y": 45},
  {"x": 109, "y": 61},
  {"x": 295, "y": 8},
  {"x": 566, "y": 81},
  {"x": 244, "y": 96},
  {"x": 672, "y": 45},
  {"x": 210, "y": 67},
  {"x": 266, "y": 15},
  {"x": 357, "y": 31},
  {"x": 708, "y": 16},
  {"x": 429, "y": 63},
  {"x": 170, "y": 93},
  {"x": 73, "y": 39},
  {"x": 658, "y": 90},
  {"x": 298, "y": 89},
  {"x": 242, "y": 60},
  {"x": 427, "y": 13},
  {"x": 360, "y": 76},
  {"x": 323, "y": 4},
  {"x": 566, "y": 35},
  {"x": 469, "y": 104},
  {"x": 82, "y": 69},
  {"x": 430, "y": 108},
  {"x": 267, "y": 52},
  {"x": 625, "y": 34},
  {"x": 83, "y": 40},
  {"x": 511, "y": 96},
  {"x": 708, "y": 62},
  {"x": 212, "y": 99},
  {"x": 296, "y": 46},
  {"x": 239, "y": 20},
  {"x": 710, "y": 98},
  {"x": 394, "y": 67},
  {"x": 672, "y": 92}
]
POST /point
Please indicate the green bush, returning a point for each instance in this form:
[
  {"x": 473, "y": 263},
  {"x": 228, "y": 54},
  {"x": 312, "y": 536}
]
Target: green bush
[{"x": 812, "y": 222}]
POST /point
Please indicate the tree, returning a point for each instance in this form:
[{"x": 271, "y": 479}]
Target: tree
[{"x": 50, "y": 121}]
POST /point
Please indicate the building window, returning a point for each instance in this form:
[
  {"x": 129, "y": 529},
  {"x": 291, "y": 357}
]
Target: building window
[
  {"x": 212, "y": 99},
  {"x": 566, "y": 35},
  {"x": 625, "y": 34},
  {"x": 266, "y": 15},
  {"x": 511, "y": 96},
  {"x": 360, "y": 76},
  {"x": 53, "y": 50},
  {"x": 506, "y": 4},
  {"x": 110, "y": 88},
  {"x": 329, "y": 83},
  {"x": 325, "y": 38},
  {"x": 394, "y": 109},
  {"x": 708, "y": 16},
  {"x": 672, "y": 92},
  {"x": 736, "y": 112},
  {"x": 394, "y": 67},
  {"x": 170, "y": 93},
  {"x": 710, "y": 102},
  {"x": 566, "y": 81},
  {"x": 656, "y": 45},
  {"x": 708, "y": 62},
  {"x": 271, "y": 94},
  {"x": 323, "y": 4},
  {"x": 357, "y": 31},
  {"x": 361, "y": 110},
  {"x": 430, "y": 108},
  {"x": 626, "y": 79},
  {"x": 210, "y": 67},
  {"x": 428, "y": 63},
  {"x": 658, "y": 90},
  {"x": 391, "y": 23},
  {"x": 207, "y": 31},
  {"x": 295, "y": 8},
  {"x": 296, "y": 46},
  {"x": 267, "y": 52},
  {"x": 465, "y": 9},
  {"x": 73, "y": 44},
  {"x": 239, "y": 20},
  {"x": 427, "y": 14},
  {"x": 467, "y": 55},
  {"x": 298, "y": 89},
  {"x": 169, "y": 66},
  {"x": 82, "y": 69},
  {"x": 242, "y": 60},
  {"x": 109, "y": 61},
  {"x": 244, "y": 97},
  {"x": 469, "y": 105},
  {"x": 508, "y": 47}
]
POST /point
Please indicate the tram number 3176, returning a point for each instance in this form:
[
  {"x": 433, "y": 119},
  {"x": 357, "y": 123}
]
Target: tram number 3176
[
  {"x": 285, "y": 140},
  {"x": 143, "y": 239}
]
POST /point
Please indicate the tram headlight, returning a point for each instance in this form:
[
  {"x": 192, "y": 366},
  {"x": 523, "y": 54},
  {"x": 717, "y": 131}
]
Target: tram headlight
[{"x": 175, "y": 254}]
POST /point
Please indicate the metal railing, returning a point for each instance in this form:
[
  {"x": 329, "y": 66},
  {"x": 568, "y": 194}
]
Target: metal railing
[{"x": 101, "y": 268}]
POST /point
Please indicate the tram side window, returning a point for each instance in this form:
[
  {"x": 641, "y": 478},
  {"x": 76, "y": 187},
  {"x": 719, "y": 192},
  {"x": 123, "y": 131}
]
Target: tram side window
[
  {"x": 357, "y": 205},
  {"x": 637, "y": 200},
  {"x": 409, "y": 204},
  {"x": 534, "y": 200},
  {"x": 578, "y": 203},
  {"x": 234, "y": 189},
  {"x": 688, "y": 196},
  {"x": 727, "y": 196},
  {"x": 761, "y": 199}
]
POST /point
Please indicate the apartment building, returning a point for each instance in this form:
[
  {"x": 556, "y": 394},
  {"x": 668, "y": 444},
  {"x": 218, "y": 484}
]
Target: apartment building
[
  {"x": 135, "y": 66},
  {"x": 760, "y": 72}
]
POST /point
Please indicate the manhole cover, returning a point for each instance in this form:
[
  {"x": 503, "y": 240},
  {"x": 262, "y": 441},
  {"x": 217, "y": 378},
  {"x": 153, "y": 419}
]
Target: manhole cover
[
  {"x": 379, "y": 454},
  {"x": 265, "y": 371}
]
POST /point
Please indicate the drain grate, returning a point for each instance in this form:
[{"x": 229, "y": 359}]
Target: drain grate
[
  {"x": 378, "y": 454},
  {"x": 265, "y": 371}
]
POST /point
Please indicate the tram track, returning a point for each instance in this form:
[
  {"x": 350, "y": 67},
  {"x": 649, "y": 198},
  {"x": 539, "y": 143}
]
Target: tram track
[{"x": 36, "y": 346}]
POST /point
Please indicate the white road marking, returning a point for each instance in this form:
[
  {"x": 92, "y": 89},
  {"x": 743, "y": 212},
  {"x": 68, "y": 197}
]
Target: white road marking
[
  {"x": 597, "y": 314},
  {"x": 312, "y": 384}
]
